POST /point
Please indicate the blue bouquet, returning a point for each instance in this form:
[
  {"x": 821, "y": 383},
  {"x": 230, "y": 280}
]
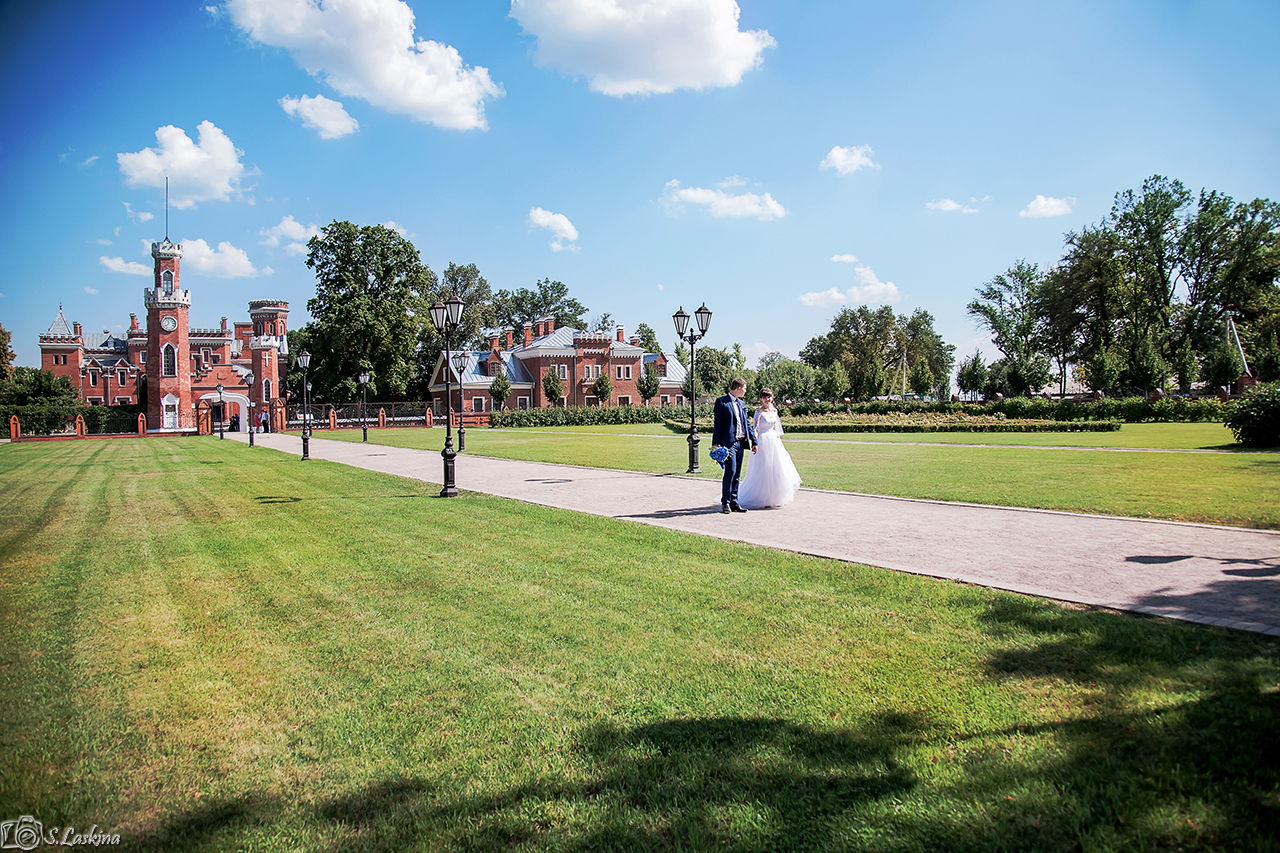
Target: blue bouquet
[{"x": 720, "y": 455}]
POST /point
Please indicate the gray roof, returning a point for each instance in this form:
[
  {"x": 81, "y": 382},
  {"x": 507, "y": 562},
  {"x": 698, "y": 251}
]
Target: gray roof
[
  {"x": 105, "y": 340},
  {"x": 675, "y": 370},
  {"x": 471, "y": 374},
  {"x": 60, "y": 326}
]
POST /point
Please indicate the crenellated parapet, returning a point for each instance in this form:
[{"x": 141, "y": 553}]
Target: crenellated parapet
[
  {"x": 277, "y": 342},
  {"x": 157, "y": 298}
]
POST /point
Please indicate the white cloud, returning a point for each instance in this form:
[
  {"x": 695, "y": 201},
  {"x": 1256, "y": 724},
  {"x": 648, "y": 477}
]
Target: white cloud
[
  {"x": 226, "y": 261},
  {"x": 732, "y": 181},
  {"x": 870, "y": 291},
  {"x": 321, "y": 114},
  {"x": 947, "y": 205},
  {"x": 723, "y": 204},
  {"x": 139, "y": 216},
  {"x": 399, "y": 229},
  {"x": 660, "y": 287},
  {"x": 844, "y": 259},
  {"x": 90, "y": 161},
  {"x": 121, "y": 265},
  {"x": 1042, "y": 206},
  {"x": 89, "y": 290},
  {"x": 560, "y": 226},
  {"x": 846, "y": 161},
  {"x": 295, "y": 233},
  {"x": 367, "y": 49},
  {"x": 642, "y": 47},
  {"x": 209, "y": 170},
  {"x": 101, "y": 242}
]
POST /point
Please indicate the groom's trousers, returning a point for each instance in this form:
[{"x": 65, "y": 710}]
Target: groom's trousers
[{"x": 732, "y": 473}]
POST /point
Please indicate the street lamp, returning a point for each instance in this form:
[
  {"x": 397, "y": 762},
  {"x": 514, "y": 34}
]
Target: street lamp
[
  {"x": 364, "y": 403},
  {"x": 703, "y": 319},
  {"x": 248, "y": 378},
  {"x": 222, "y": 416},
  {"x": 304, "y": 361},
  {"x": 447, "y": 317},
  {"x": 460, "y": 362}
]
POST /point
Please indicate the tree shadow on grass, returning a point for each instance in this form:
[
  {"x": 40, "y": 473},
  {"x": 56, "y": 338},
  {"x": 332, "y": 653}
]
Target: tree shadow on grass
[
  {"x": 1198, "y": 770},
  {"x": 1139, "y": 770}
]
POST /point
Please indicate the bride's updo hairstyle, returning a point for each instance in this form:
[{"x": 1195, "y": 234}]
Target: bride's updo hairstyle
[{"x": 766, "y": 393}]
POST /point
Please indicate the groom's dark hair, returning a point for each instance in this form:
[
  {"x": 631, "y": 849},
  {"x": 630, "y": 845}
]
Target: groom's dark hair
[{"x": 736, "y": 383}]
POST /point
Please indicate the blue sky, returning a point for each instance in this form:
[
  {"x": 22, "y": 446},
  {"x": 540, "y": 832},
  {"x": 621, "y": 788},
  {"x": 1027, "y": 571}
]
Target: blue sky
[{"x": 776, "y": 160}]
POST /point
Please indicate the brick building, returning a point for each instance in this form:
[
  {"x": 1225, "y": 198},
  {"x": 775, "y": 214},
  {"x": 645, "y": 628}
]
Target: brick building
[
  {"x": 577, "y": 356},
  {"x": 180, "y": 365}
]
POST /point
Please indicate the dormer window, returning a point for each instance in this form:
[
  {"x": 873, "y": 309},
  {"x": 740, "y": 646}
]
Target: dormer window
[{"x": 166, "y": 282}]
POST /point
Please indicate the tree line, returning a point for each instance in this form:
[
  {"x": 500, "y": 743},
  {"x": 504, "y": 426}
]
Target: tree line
[{"x": 1169, "y": 290}]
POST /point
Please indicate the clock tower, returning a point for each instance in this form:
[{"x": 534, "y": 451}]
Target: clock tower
[{"x": 169, "y": 403}]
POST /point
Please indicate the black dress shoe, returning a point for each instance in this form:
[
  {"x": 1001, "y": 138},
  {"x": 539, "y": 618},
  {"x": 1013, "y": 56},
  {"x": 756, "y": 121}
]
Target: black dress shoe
[
  {"x": 724, "y": 508},
  {"x": 733, "y": 507}
]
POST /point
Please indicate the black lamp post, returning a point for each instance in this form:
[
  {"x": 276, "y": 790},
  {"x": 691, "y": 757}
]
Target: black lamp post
[
  {"x": 248, "y": 378},
  {"x": 459, "y": 363},
  {"x": 222, "y": 416},
  {"x": 304, "y": 361},
  {"x": 364, "y": 403},
  {"x": 703, "y": 318},
  {"x": 447, "y": 317}
]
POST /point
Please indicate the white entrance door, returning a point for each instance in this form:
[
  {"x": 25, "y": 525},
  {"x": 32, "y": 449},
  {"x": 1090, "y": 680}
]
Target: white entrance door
[{"x": 170, "y": 416}]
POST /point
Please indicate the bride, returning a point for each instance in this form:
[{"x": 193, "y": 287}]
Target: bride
[{"x": 771, "y": 478}]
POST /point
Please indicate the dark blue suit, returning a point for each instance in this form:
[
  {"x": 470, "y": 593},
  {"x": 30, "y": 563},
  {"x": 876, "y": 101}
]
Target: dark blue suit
[{"x": 722, "y": 435}]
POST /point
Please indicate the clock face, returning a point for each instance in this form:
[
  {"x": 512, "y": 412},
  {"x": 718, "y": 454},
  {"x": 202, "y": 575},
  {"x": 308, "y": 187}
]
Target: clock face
[{"x": 168, "y": 324}]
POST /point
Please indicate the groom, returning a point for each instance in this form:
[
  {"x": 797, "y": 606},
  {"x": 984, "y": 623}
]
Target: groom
[{"x": 732, "y": 430}]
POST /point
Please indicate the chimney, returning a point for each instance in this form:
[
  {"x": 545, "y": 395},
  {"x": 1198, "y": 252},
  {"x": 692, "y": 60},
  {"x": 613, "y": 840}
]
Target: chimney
[
  {"x": 551, "y": 325},
  {"x": 76, "y": 330},
  {"x": 621, "y": 336},
  {"x": 493, "y": 341},
  {"x": 224, "y": 324},
  {"x": 634, "y": 341},
  {"x": 509, "y": 332},
  {"x": 528, "y": 333},
  {"x": 133, "y": 322}
]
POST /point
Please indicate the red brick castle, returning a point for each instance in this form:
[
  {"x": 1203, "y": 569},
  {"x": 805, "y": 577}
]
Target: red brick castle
[{"x": 181, "y": 366}]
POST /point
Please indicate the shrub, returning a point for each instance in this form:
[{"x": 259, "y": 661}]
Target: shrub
[{"x": 1255, "y": 419}]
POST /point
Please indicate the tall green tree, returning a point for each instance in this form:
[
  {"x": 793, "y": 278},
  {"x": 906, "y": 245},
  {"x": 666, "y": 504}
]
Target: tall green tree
[
  {"x": 715, "y": 370},
  {"x": 1007, "y": 306},
  {"x": 602, "y": 388},
  {"x": 1148, "y": 224},
  {"x": 648, "y": 338},
  {"x": 552, "y": 387},
  {"x": 649, "y": 384},
  {"x": 7, "y": 355},
  {"x": 465, "y": 282},
  {"x": 547, "y": 299},
  {"x": 860, "y": 341},
  {"x": 368, "y": 311},
  {"x": 788, "y": 378},
  {"x": 500, "y": 388},
  {"x": 972, "y": 376}
]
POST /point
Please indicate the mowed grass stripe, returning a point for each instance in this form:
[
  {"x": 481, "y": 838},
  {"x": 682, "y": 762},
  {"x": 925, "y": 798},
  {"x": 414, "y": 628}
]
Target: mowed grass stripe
[{"x": 266, "y": 654}]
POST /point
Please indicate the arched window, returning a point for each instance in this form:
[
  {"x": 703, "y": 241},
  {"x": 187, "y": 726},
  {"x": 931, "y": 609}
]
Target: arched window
[
  {"x": 169, "y": 359},
  {"x": 166, "y": 281},
  {"x": 257, "y": 328},
  {"x": 266, "y": 390}
]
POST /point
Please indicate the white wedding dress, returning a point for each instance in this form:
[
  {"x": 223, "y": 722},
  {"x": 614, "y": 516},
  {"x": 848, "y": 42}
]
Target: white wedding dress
[{"x": 771, "y": 478}]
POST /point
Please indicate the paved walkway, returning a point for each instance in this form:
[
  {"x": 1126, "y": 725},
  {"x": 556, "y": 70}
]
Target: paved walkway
[{"x": 1202, "y": 573}]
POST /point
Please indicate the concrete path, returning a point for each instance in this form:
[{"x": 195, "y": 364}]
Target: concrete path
[{"x": 1202, "y": 573}]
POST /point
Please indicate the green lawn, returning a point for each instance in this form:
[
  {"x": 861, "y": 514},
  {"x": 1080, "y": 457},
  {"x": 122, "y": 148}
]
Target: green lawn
[
  {"x": 207, "y": 647},
  {"x": 1238, "y": 488}
]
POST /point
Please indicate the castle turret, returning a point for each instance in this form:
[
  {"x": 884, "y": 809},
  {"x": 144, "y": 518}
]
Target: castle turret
[{"x": 169, "y": 403}]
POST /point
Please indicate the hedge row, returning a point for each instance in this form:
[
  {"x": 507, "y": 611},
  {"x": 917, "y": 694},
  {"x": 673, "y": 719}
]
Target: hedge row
[
  {"x": 1129, "y": 410},
  {"x": 578, "y": 416},
  {"x": 51, "y": 418},
  {"x": 960, "y": 426}
]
